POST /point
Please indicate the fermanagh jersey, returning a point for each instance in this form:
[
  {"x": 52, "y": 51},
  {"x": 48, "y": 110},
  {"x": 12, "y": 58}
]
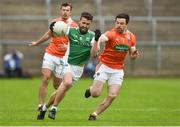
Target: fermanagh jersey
[{"x": 79, "y": 46}]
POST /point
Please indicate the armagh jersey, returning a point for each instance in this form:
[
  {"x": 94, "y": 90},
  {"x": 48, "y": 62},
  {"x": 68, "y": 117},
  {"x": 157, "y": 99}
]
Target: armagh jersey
[
  {"x": 116, "y": 48},
  {"x": 53, "y": 48},
  {"x": 79, "y": 46}
]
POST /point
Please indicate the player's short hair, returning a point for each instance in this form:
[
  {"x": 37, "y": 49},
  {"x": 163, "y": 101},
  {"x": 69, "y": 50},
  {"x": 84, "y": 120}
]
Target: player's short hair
[
  {"x": 66, "y": 4},
  {"x": 125, "y": 16},
  {"x": 86, "y": 15}
]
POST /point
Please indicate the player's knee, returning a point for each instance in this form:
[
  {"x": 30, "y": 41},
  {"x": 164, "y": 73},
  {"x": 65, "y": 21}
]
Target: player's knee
[
  {"x": 46, "y": 77},
  {"x": 68, "y": 84},
  {"x": 112, "y": 96},
  {"x": 95, "y": 94}
]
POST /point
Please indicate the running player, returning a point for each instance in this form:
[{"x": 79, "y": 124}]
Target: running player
[
  {"x": 54, "y": 53},
  {"x": 82, "y": 46},
  {"x": 119, "y": 41}
]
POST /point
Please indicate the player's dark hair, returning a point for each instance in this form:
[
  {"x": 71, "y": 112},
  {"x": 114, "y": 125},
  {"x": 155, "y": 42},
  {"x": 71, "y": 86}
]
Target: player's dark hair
[
  {"x": 66, "y": 4},
  {"x": 86, "y": 15},
  {"x": 125, "y": 16}
]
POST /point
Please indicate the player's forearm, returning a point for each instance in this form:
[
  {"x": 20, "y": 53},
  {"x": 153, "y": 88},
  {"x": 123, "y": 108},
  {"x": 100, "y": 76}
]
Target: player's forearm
[
  {"x": 95, "y": 49},
  {"x": 44, "y": 38}
]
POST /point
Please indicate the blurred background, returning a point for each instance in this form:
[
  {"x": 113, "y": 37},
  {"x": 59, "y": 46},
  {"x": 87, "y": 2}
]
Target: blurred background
[{"x": 156, "y": 23}]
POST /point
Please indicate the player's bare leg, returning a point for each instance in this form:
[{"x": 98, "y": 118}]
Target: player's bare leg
[
  {"x": 46, "y": 74},
  {"x": 44, "y": 107},
  {"x": 51, "y": 99},
  {"x": 95, "y": 90},
  {"x": 61, "y": 91},
  {"x": 56, "y": 83},
  {"x": 113, "y": 91}
]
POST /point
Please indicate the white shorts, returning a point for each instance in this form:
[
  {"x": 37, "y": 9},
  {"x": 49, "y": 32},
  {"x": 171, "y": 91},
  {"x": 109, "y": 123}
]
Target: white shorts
[
  {"x": 54, "y": 63},
  {"x": 113, "y": 76},
  {"x": 75, "y": 70}
]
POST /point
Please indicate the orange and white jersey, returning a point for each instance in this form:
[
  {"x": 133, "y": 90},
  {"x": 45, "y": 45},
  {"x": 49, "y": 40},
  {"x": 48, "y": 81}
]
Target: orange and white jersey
[
  {"x": 53, "y": 47},
  {"x": 116, "y": 48}
]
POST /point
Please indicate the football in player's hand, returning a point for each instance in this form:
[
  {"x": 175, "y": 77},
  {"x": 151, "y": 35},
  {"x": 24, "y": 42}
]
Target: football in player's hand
[{"x": 59, "y": 28}]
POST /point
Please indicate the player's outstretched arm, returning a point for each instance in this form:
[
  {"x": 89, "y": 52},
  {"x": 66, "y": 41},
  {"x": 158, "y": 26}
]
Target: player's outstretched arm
[{"x": 43, "y": 39}]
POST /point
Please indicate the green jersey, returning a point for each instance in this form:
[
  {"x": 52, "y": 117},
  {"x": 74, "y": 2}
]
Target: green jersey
[{"x": 79, "y": 46}]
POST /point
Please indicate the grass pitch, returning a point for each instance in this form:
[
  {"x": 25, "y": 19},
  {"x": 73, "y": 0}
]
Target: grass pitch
[{"x": 141, "y": 102}]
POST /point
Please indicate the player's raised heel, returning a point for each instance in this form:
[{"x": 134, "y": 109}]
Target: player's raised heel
[{"x": 87, "y": 93}]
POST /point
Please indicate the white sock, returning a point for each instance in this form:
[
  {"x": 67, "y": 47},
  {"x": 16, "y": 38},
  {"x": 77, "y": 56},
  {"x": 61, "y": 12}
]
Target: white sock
[
  {"x": 44, "y": 108},
  {"x": 94, "y": 113},
  {"x": 54, "y": 107}
]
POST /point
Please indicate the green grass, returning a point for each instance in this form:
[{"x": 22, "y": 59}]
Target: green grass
[{"x": 141, "y": 102}]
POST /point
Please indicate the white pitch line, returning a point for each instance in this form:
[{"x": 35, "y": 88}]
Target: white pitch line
[
  {"x": 91, "y": 126},
  {"x": 119, "y": 109}
]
